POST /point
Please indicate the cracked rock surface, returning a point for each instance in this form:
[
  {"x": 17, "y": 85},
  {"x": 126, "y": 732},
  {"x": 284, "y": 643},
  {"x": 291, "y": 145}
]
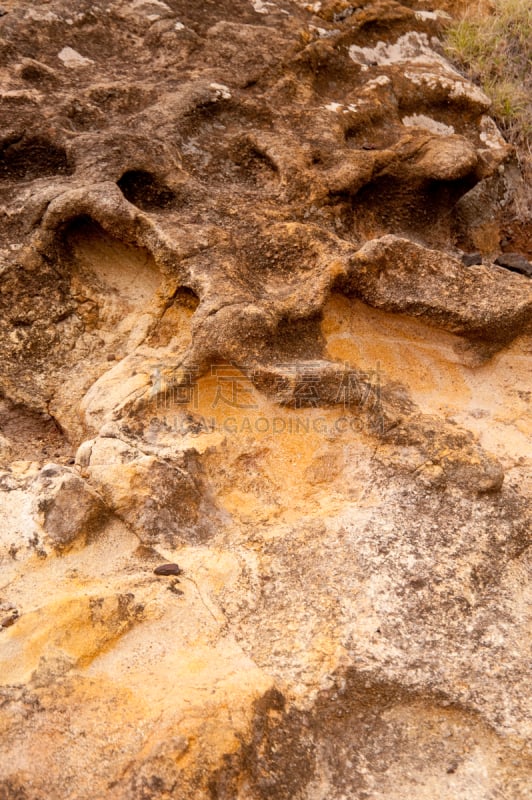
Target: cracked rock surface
[{"x": 238, "y": 333}]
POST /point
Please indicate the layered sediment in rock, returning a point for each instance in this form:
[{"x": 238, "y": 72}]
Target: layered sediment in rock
[{"x": 238, "y": 334}]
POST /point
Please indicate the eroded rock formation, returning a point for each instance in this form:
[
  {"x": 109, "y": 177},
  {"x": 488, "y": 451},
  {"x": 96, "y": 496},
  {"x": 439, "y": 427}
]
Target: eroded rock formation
[{"x": 238, "y": 333}]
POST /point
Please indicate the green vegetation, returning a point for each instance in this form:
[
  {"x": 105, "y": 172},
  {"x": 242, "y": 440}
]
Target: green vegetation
[{"x": 495, "y": 50}]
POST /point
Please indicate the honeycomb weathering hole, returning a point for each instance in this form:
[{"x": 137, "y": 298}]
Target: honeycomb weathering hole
[
  {"x": 117, "y": 271},
  {"x": 32, "y": 434},
  {"x": 390, "y": 204},
  {"x": 31, "y": 158},
  {"x": 186, "y": 297},
  {"x": 145, "y": 191}
]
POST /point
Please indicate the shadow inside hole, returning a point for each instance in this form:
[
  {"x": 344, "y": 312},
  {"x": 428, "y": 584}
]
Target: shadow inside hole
[
  {"x": 32, "y": 434},
  {"x": 373, "y": 135},
  {"x": 145, "y": 191},
  {"x": 296, "y": 339},
  {"x": 391, "y": 205},
  {"x": 253, "y": 166},
  {"x": 186, "y": 297}
]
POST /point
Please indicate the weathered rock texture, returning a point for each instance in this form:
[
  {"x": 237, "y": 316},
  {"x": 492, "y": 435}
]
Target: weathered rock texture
[{"x": 237, "y": 333}]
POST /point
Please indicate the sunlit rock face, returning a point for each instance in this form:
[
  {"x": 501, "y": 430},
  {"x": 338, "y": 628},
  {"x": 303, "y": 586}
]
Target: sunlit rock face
[{"x": 238, "y": 335}]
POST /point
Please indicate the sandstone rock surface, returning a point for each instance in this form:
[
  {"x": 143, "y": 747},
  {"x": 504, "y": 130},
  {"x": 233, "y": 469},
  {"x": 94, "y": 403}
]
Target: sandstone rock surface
[{"x": 237, "y": 335}]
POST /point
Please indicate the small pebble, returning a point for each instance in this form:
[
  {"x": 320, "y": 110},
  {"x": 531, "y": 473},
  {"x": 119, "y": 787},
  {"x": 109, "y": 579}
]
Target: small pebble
[
  {"x": 10, "y": 620},
  {"x": 168, "y": 569},
  {"x": 469, "y": 259}
]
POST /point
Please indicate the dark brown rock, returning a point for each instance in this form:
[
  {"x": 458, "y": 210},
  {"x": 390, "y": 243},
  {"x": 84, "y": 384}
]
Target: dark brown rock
[
  {"x": 168, "y": 569},
  {"x": 515, "y": 262},
  {"x": 471, "y": 259}
]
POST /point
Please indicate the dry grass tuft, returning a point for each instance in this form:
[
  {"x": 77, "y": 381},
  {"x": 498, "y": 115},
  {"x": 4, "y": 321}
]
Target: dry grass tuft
[{"x": 495, "y": 50}]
